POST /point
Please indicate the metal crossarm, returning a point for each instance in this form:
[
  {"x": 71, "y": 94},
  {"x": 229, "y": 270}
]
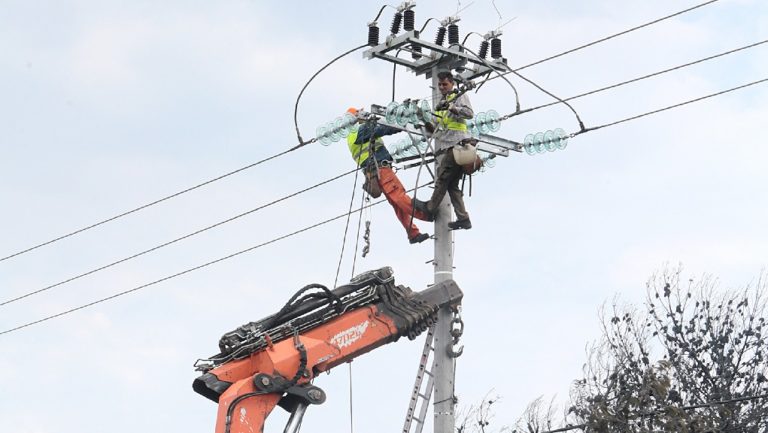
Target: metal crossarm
[{"x": 451, "y": 57}]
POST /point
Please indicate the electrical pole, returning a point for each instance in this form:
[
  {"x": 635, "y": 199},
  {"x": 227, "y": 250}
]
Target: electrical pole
[
  {"x": 428, "y": 58},
  {"x": 444, "y": 369}
]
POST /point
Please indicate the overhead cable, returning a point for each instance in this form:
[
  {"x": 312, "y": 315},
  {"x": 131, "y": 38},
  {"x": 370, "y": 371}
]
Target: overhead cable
[
  {"x": 634, "y": 80},
  {"x": 578, "y": 118},
  {"x": 572, "y": 50},
  {"x": 187, "y": 271},
  {"x": 144, "y": 206},
  {"x": 298, "y": 98},
  {"x": 302, "y": 143},
  {"x": 155, "y": 248},
  {"x": 346, "y": 228},
  {"x": 514, "y": 89},
  {"x": 594, "y": 128}
]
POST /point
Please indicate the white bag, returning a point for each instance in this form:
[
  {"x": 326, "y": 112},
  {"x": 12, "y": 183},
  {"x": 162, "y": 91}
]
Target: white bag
[{"x": 465, "y": 152}]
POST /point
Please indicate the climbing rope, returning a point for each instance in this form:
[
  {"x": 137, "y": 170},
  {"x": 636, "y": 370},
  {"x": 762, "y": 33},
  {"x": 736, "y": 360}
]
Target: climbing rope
[{"x": 346, "y": 228}]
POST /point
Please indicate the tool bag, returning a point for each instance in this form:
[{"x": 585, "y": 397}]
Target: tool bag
[{"x": 465, "y": 155}]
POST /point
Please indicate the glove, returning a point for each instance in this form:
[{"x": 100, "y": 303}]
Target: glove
[{"x": 442, "y": 106}]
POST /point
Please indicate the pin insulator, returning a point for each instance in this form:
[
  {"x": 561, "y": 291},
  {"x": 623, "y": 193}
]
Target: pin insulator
[
  {"x": 483, "y": 51},
  {"x": 496, "y": 48},
  {"x": 453, "y": 34},
  {"x": 440, "y": 38},
  {"x": 373, "y": 35},
  {"x": 396, "y": 20},
  {"x": 410, "y": 20}
]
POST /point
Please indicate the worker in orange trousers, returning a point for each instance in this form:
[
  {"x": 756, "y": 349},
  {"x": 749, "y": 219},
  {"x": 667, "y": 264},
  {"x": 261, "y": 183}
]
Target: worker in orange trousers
[{"x": 380, "y": 178}]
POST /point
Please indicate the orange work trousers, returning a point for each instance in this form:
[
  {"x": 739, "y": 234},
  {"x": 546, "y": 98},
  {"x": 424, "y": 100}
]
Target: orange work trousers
[{"x": 395, "y": 193}]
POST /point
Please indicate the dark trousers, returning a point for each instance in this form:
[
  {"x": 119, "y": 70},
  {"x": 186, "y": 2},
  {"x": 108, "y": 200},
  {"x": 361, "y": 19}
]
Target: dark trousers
[{"x": 447, "y": 180}]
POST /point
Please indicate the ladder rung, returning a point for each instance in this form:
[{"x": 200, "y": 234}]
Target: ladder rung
[{"x": 417, "y": 393}]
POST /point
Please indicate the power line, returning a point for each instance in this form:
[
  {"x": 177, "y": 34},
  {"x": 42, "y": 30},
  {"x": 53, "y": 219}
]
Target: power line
[
  {"x": 228, "y": 220},
  {"x": 298, "y": 98},
  {"x": 178, "y": 274},
  {"x": 634, "y": 80},
  {"x": 346, "y": 228},
  {"x": 302, "y": 143},
  {"x": 572, "y": 50},
  {"x": 594, "y": 128},
  {"x": 514, "y": 71},
  {"x": 578, "y": 118},
  {"x": 144, "y": 206},
  {"x": 669, "y": 107}
]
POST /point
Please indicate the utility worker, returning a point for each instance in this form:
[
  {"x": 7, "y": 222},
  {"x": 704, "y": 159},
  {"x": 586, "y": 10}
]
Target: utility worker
[
  {"x": 379, "y": 173},
  {"x": 451, "y": 114}
]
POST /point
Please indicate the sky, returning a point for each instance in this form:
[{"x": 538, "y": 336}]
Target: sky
[{"x": 109, "y": 105}]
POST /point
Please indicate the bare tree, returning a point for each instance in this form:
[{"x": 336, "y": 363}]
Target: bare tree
[
  {"x": 478, "y": 418},
  {"x": 690, "y": 360},
  {"x": 693, "y": 361}
]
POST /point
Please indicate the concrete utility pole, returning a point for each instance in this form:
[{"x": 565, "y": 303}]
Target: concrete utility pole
[
  {"x": 445, "y": 366},
  {"x": 428, "y": 59}
]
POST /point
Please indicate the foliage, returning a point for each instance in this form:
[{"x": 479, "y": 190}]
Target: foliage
[
  {"x": 693, "y": 360},
  {"x": 711, "y": 361}
]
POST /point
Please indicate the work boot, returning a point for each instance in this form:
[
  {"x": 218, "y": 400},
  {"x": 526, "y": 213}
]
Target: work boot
[
  {"x": 460, "y": 224},
  {"x": 421, "y": 237},
  {"x": 421, "y": 206}
]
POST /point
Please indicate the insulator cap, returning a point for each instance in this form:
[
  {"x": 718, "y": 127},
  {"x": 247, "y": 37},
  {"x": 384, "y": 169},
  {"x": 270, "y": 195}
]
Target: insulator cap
[
  {"x": 410, "y": 20},
  {"x": 440, "y": 38},
  {"x": 483, "y": 51},
  {"x": 453, "y": 34},
  {"x": 496, "y": 48},
  {"x": 396, "y": 20},
  {"x": 373, "y": 36}
]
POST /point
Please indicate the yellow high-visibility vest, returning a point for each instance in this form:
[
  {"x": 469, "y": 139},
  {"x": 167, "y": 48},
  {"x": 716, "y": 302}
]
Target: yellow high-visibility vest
[
  {"x": 360, "y": 151},
  {"x": 448, "y": 122}
]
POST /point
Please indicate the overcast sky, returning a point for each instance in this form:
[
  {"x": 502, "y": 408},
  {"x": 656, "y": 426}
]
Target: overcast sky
[{"x": 108, "y": 105}]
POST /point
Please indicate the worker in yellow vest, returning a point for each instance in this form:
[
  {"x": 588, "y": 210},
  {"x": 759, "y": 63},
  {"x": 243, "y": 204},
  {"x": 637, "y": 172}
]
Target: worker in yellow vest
[
  {"x": 380, "y": 178},
  {"x": 451, "y": 115}
]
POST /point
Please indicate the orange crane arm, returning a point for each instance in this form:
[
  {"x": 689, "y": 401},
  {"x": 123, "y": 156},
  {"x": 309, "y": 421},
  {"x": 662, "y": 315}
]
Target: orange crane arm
[{"x": 271, "y": 362}]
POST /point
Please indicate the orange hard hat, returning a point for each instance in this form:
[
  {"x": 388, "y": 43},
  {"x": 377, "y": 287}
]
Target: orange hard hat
[{"x": 352, "y": 110}]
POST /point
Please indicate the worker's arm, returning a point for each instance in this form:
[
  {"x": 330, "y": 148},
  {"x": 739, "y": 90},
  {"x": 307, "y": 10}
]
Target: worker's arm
[
  {"x": 367, "y": 132},
  {"x": 461, "y": 108}
]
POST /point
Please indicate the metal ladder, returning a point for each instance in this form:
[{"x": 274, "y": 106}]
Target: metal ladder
[{"x": 417, "y": 394}]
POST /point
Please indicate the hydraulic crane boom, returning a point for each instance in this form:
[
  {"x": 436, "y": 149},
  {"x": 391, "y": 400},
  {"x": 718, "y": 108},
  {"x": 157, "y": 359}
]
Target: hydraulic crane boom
[{"x": 271, "y": 362}]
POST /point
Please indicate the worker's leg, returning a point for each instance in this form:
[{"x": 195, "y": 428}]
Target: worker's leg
[
  {"x": 442, "y": 180},
  {"x": 457, "y": 196},
  {"x": 395, "y": 193}
]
